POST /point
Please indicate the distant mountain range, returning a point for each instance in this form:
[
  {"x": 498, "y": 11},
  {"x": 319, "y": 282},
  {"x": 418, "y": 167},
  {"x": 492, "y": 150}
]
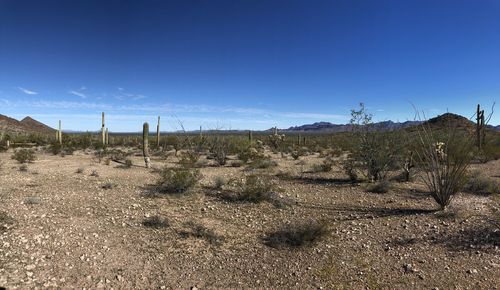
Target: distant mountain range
[
  {"x": 447, "y": 119},
  {"x": 30, "y": 125},
  {"x": 26, "y": 125}
]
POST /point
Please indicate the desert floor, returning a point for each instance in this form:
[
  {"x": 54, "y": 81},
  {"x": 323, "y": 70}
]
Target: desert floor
[{"x": 60, "y": 228}]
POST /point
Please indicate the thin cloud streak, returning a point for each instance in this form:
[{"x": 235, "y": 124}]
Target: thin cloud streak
[
  {"x": 78, "y": 94},
  {"x": 26, "y": 91}
]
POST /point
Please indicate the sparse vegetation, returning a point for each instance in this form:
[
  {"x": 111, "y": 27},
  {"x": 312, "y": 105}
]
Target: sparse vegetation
[
  {"x": 297, "y": 235},
  {"x": 24, "y": 155},
  {"x": 108, "y": 185},
  {"x": 177, "y": 180},
  {"x": 32, "y": 200},
  {"x": 219, "y": 182},
  {"x": 201, "y": 232},
  {"x": 479, "y": 184},
  {"x": 379, "y": 187},
  {"x": 156, "y": 222}
]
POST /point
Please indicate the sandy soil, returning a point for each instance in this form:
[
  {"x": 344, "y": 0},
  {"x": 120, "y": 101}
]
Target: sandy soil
[{"x": 62, "y": 229}]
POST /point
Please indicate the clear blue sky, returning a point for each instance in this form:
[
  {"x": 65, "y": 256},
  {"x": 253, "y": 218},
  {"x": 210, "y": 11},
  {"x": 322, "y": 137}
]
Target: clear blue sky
[{"x": 245, "y": 64}]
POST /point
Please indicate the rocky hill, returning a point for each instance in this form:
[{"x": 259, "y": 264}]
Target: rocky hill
[{"x": 26, "y": 125}]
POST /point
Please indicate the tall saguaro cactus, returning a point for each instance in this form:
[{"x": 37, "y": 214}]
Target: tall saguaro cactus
[
  {"x": 59, "y": 133},
  {"x": 250, "y": 135},
  {"x": 158, "y": 133},
  {"x": 145, "y": 146},
  {"x": 480, "y": 134},
  {"x": 103, "y": 131},
  {"x": 107, "y": 137}
]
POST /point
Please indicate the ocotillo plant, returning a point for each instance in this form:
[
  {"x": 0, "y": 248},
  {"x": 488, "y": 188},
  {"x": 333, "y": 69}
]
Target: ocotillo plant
[
  {"x": 158, "y": 133},
  {"x": 103, "y": 131},
  {"x": 145, "y": 146}
]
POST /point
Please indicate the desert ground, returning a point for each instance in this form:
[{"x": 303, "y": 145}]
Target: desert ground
[{"x": 60, "y": 228}]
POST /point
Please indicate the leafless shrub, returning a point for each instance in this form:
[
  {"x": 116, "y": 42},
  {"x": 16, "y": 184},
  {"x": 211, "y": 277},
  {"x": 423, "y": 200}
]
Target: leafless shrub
[
  {"x": 156, "y": 222},
  {"x": 201, "y": 232},
  {"x": 297, "y": 235}
]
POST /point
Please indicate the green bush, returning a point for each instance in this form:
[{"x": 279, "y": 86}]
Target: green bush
[
  {"x": 177, "y": 180},
  {"x": 24, "y": 155}
]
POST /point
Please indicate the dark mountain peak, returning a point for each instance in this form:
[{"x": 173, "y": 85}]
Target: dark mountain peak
[
  {"x": 26, "y": 125},
  {"x": 450, "y": 120}
]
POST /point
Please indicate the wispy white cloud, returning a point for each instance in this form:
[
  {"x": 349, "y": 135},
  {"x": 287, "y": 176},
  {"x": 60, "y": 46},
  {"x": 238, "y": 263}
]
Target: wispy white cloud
[
  {"x": 26, "y": 91},
  {"x": 78, "y": 94},
  {"x": 167, "y": 108}
]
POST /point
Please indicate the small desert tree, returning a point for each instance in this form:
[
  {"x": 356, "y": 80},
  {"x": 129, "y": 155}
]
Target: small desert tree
[{"x": 375, "y": 152}]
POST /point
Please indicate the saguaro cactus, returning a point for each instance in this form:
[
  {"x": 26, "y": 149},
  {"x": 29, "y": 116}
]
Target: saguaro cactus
[
  {"x": 145, "y": 146},
  {"x": 107, "y": 137},
  {"x": 158, "y": 133},
  {"x": 103, "y": 132},
  {"x": 480, "y": 133},
  {"x": 250, "y": 135},
  {"x": 59, "y": 133}
]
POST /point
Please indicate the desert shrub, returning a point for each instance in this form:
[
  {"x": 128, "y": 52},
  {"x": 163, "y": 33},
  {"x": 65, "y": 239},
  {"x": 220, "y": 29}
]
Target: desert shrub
[
  {"x": 349, "y": 168},
  {"x": 108, "y": 185},
  {"x": 55, "y": 148},
  {"x": 262, "y": 163},
  {"x": 24, "y": 155},
  {"x": 219, "y": 149},
  {"x": 189, "y": 158},
  {"x": 219, "y": 182},
  {"x": 376, "y": 151},
  {"x": 479, "y": 184},
  {"x": 444, "y": 158},
  {"x": 156, "y": 222},
  {"x": 297, "y": 235},
  {"x": 23, "y": 168},
  {"x": 236, "y": 163},
  {"x": 32, "y": 200},
  {"x": 201, "y": 232},
  {"x": 254, "y": 188},
  {"x": 177, "y": 180},
  {"x": 128, "y": 163},
  {"x": 325, "y": 166},
  {"x": 490, "y": 151},
  {"x": 379, "y": 187},
  {"x": 249, "y": 153}
]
